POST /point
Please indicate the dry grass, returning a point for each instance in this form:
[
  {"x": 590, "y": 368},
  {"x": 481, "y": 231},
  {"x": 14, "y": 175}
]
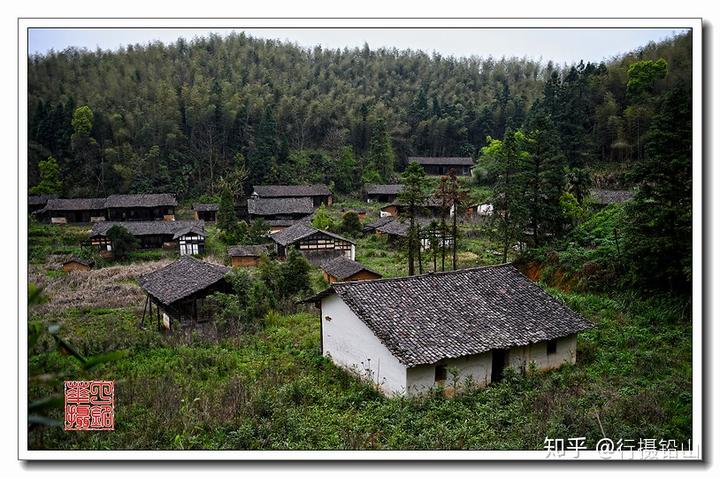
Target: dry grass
[{"x": 109, "y": 287}]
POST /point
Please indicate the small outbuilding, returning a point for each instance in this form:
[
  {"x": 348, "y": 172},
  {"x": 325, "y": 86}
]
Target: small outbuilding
[
  {"x": 382, "y": 193},
  {"x": 246, "y": 256},
  {"x": 78, "y": 264},
  {"x": 411, "y": 334},
  {"x": 342, "y": 269},
  {"x": 205, "y": 212},
  {"x": 178, "y": 292}
]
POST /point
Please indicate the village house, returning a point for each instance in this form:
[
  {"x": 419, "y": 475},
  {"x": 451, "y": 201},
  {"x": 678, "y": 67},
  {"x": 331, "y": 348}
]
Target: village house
[
  {"x": 246, "y": 256},
  {"x": 141, "y": 207},
  {"x": 382, "y": 193},
  {"x": 205, "y": 212},
  {"x": 318, "y": 193},
  {"x": 78, "y": 264},
  {"x": 604, "y": 197},
  {"x": 80, "y": 210},
  {"x": 372, "y": 226},
  {"x": 280, "y": 213},
  {"x": 317, "y": 246},
  {"x": 431, "y": 207},
  {"x": 36, "y": 203},
  {"x": 442, "y": 166},
  {"x": 447, "y": 329},
  {"x": 343, "y": 269},
  {"x": 188, "y": 237},
  {"x": 178, "y": 292}
]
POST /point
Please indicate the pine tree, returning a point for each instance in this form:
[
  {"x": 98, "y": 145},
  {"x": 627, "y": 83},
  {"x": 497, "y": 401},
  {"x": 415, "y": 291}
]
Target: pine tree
[
  {"x": 50, "y": 180},
  {"x": 414, "y": 194}
]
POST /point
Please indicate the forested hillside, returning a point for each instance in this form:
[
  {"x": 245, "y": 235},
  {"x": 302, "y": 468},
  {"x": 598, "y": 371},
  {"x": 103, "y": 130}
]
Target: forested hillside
[{"x": 173, "y": 118}]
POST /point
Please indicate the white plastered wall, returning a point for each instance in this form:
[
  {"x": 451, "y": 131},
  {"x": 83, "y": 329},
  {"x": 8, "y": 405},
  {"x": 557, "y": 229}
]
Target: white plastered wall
[{"x": 352, "y": 345}]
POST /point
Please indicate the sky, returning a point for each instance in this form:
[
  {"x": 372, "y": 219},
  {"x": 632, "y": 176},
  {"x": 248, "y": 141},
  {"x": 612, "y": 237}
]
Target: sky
[{"x": 559, "y": 45}]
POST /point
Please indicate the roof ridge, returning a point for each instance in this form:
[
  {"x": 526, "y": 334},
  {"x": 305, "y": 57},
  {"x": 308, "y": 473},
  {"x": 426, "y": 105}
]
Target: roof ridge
[{"x": 433, "y": 273}]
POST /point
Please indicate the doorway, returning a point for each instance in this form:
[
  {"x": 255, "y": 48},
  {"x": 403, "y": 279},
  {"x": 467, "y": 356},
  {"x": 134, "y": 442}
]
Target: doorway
[{"x": 499, "y": 362}]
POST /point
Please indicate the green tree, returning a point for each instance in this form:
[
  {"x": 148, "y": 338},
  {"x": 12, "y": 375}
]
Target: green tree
[
  {"x": 413, "y": 196},
  {"x": 123, "y": 243},
  {"x": 226, "y": 216},
  {"x": 322, "y": 220},
  {"x": 50, "y": 180},
  {"x": 659, "y": 220},
  {"x": 295, "y": 274},
  {"x": 351, "y": 224}
]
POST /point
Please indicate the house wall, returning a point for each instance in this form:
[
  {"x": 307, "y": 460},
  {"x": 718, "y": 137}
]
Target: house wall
[
  {"x": 352, "y": 345},
  {"x": 363, "y": 275},
  {"x": 244, "y": 261},
  {"x": 479, "y": 367}
]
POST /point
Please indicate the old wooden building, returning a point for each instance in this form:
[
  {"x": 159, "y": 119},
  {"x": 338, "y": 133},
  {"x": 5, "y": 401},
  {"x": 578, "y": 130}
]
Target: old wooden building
[
  {"x": 36, "y": 203},
  {"x": 316, "y": 245},
  {"x": 411, "y": 334},
  {"x": 141, "y": 207},
  {"x": 205, "y": 212},
  {"x": 442, "y": 166},
  {"x": 176, "y": 293},
  {"x": 80, "y": 210},
  {"x": 342, "y": 269},
  {"x": 280, "y": 213},
  {"x": 382, "y": 193},
  {"x": 318, "y": 193},
  {"x": 246, "y": 256},
  {"x": 188, "y": 237}
]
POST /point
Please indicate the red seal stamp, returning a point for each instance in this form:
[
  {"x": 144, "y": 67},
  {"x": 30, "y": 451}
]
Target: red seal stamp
[{"x": 90, "y": 405}]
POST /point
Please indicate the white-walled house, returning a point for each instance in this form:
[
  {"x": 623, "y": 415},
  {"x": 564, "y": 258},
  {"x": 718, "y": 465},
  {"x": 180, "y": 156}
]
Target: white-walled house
[{"x": 446, "y": 329}]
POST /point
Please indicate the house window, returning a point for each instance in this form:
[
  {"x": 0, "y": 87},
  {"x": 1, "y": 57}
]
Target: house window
[
  {"x": 551, "y": 347},
  {"x": 440, "y": 373}
]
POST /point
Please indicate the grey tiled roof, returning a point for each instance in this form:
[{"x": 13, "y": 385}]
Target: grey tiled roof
[
  {"x": 78, "y": 204},
  {"x": 254, "y": 250},
  {"x": 260, "y": 206},
  {"x": 205, "y": 207},
  {"x": 148, "y": 228},
  {"x": 341, "y": 268},
  {"x": 445, "y": 161},
  {"x": 424, "y": 319},
  {"x": 299, "y": 231},
  {"x": 181, "y": 279},
  {"x": 291, "y": 191},
  {"x": 383, "y": 188},
  {"x": 395, "y": 228},
  {"x": 372, "y": 226},
  {"x": 41, "y": 199},
  {"x": 140, "y": 200},
  {"x": 610, "y": 196}
]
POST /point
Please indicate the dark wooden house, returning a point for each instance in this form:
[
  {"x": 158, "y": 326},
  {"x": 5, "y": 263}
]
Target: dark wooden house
[
  {"x": 383, "y": 193},
  {"x": 318, "y": 193},
  {"x": 80, "y": 210},
  {"x": 342, "y": 269},
  {"x": 246, "y": 256},
  {"x": 442, "y": 166},
  {"x": 36, "y": 203},
  {"x": 188, "y": 237},
  {"x": 205, "y": 212},
  {"x": 316, "y": 245},
  {"x": 177, "y": 292},
  {"x": 141, "y": 207},
  {"x": 280, "y": 213}
]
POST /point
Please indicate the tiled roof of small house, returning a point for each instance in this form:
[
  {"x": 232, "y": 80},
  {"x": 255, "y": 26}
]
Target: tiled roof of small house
[
  {"x": 383, "y": 188},
  {"x": 395, "y": 228},
  {"x": 261, "y": 206},
  {"x": 181, "y": 279},
  {"x": 341, "y": 268},
  {"x": 381, "y": 221},
  {"x": 149, "y": 228},
  {"x": 208, "y": 207},
  {"x": 79, "y": 260},
  {"x": 140, "y": 200},
  {"x": 299, "y": 231},
  {"x": 77, "y": 204},
  {"x": 610, "y": 196},
  {"x": 283, "y": 191},
  {"x": 41, "y": 199},
  {"x": 254, "y": 250},
  {"x": 442, "y": 161},
  {"x": 426, "y": 318}
]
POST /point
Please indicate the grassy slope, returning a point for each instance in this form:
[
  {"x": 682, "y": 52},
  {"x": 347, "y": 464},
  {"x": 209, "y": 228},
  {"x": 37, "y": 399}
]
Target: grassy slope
[{"x": 271, "y": 388}]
